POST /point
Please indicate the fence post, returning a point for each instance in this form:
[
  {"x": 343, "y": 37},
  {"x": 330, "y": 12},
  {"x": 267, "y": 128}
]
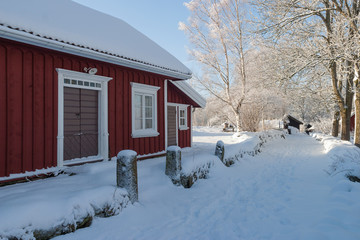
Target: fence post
[
  {"x": 126, "y": 173},
  {"x": 173, "y": 162},
  {"x": 220, "y": 150}
]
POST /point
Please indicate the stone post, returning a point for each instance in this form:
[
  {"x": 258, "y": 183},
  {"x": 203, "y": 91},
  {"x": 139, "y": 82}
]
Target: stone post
[
  {"x": 220, "y": 150},
  {"x": 126, "y": 173},
  {"x": 173, "y": 162}
]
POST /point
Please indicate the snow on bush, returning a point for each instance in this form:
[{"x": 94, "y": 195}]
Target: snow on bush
[
  {"x": 249, "y": 143},
  {"x": 46, "y": 208},
  {"x": 197, "y": 165},
  {"x": 345, "y": 155},
  {"x": 194, "y": 167}
]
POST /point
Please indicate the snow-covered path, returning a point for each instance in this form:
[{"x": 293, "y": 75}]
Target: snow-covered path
[{"x": 283, "y": 193}]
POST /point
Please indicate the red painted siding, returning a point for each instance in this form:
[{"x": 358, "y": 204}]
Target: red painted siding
[
  {"x": 352, "y": 123},
  {"x": 3, "y": 109},
  {"x": 177, "y": 96},
  {"x": 28, "y": 106}
]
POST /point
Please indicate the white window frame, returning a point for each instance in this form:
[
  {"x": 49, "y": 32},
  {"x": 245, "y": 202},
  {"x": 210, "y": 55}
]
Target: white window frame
[
  {"x": 183, "y": 108},
  {"x": 144, "y": 90},
  {"x": 103, "y": 136}
]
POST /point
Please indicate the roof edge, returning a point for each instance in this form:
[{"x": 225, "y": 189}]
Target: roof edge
[
  {"x": 188, "y": 90},
  {"x": 28, "y": 38}
]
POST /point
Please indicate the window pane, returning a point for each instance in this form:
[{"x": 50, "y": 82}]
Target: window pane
[
  {"x": 182, "y": 122},
  {"x": 138, "y": 111},
  {"x": 138, "y": 124},
  {"x": 148, "y": 101},
  {"x": 148, "y": 123},
  {"x": 182, "y": 113},
  {"x": 138, "y": 100},
  {"x": 148, "y": 112}
]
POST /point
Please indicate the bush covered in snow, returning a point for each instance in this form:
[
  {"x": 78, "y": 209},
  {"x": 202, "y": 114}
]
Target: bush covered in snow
[
  {"x": 50, "y": 207},
  {"x": 345, "y": 155},
  {"x": 250, "y": 144},
  {"x": 197, "y": 166}
]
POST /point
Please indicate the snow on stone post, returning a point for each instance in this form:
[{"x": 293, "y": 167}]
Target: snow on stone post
[
  {"x": 126, "y": 173},
  {"x": 173, "y": 162},
  {"x": 220, "y": 150}
]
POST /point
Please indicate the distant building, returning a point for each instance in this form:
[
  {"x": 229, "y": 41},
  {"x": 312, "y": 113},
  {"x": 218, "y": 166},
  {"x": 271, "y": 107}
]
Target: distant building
[
  {"x": 352, "y": 123},
  {"x": 291, "y": 121}
]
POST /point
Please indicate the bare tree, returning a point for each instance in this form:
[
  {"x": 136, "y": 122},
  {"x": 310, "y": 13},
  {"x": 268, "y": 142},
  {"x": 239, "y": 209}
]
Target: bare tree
[
  {"x": 328, "y": 29},
  {"x": 216, "y": 32}
]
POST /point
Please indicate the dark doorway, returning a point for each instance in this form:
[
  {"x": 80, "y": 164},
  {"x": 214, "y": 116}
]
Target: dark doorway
[
  {"x": 171, "y": 125},
  {"x": 80, "y": 123}
]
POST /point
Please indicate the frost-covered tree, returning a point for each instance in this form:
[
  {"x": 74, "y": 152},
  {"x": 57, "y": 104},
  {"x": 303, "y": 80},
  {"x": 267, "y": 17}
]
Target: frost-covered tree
[
  {"x": 320, "y": 32},
  {"x": 215, "y": 30}
]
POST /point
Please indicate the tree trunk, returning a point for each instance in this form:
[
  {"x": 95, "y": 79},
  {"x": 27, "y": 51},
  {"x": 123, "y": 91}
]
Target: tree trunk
[
  {"x": 349, "y": 95},
  {"x": 345, "y": 124},
  {"x": 238, "y": 122},
  {"x": 335, "y": 124},
  {"x": 357, "y": 114}
]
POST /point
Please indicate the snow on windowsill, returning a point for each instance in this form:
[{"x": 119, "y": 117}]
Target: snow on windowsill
[{"x": 145, "y": 133}]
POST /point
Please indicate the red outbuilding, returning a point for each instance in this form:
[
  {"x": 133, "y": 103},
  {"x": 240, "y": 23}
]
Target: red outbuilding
[
  {"x": 352, "y": 123},
  {"x": 77, "y": 85}
]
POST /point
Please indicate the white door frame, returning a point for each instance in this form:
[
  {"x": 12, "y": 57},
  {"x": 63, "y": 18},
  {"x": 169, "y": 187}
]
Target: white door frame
[
  {"x": 77, "y": 80},
  {"x": 176, "y": 120},
  {"x": 177, "y": 105}
]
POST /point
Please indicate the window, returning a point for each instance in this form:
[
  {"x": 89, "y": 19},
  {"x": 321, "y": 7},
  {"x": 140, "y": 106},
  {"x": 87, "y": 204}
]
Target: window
[
  {"x": 144, "y": 110},
  {"x": 183, "y": 118}
]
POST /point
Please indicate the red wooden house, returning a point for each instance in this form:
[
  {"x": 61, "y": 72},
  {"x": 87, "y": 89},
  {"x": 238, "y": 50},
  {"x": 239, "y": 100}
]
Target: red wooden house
[{"x": 77, "y": 85}]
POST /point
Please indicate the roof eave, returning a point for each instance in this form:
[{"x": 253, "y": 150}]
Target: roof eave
[
  {"x": 189, "y": 91},
  {"x": 24, "y": 37}
]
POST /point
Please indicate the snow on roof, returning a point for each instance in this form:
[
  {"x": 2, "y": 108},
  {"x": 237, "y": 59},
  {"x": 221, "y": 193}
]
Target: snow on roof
[{"x": 68, "y": 23}]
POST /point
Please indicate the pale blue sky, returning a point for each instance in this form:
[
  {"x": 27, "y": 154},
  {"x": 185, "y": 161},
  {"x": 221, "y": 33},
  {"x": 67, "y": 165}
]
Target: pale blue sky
[{"x": 157, "y": 19}]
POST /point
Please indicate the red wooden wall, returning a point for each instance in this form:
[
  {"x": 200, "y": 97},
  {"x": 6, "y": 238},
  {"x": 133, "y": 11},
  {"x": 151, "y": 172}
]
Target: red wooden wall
[
  {"x": 28, "y": 109},
  {"x": 177, "y": 96},
  {"x": 352, "y": 123},
  {"x": 28, "y": 106}
]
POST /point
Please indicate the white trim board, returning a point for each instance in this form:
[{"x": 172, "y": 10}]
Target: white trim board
[
  {"x": 189, "y": 91},
  {"x": 185, "y": 109},
  {"x": 103, "y": 136},
  {"x": 166, "y": 112},
  {"x": 143, "y": 89}
]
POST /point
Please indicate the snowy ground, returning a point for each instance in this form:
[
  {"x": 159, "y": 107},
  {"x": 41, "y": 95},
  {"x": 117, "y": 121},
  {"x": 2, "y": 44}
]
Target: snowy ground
[{"x": 286, "y": 192}]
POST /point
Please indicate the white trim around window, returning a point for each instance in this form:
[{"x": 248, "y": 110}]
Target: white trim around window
[
  {"x": 183, "y": 119},
  {"x": 144, "y": 110},
  {"x": 67, "y": 78}
]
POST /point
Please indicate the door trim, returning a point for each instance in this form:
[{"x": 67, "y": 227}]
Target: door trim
[
  {"x": 100, "y": 85},
  {"x": 177, "y": 105},
  {"x": 176, "y": 125}
]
